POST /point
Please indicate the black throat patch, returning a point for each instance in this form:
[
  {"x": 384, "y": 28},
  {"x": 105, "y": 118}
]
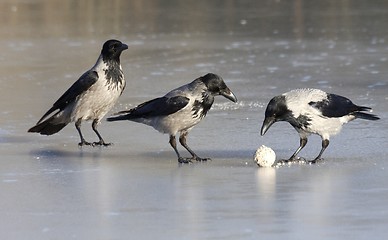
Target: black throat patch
[
  {"x": 302, "y": 121},
  {"x": 204, "y": 104},
  {"x": 113, "y": 74}
]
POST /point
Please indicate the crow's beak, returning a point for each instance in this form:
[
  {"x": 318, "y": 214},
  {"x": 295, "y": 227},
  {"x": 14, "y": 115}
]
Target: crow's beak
[
  {"x": 124, "y": 47},
  {"x": 229, "y": 95},
  {"x": 268, "y": 121}
]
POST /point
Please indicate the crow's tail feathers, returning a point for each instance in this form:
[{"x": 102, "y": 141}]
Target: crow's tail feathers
[
  {"x": 119, "y": 116},
  {"x": 47, "y": 127},
  {"x": 364, "y": 115}
]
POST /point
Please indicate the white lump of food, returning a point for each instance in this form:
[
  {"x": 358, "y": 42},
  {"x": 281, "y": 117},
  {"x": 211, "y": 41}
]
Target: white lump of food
[{"x": 265, "y": 156}]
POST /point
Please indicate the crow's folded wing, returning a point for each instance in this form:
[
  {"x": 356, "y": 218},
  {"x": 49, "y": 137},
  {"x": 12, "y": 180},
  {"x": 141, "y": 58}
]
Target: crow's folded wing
[
  {"x": 157, "y": 107},
  {"x": 79, "y": 87}
]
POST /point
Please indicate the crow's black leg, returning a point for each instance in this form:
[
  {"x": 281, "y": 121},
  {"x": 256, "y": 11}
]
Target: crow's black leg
[
  {"x": 78, "y": 127},
  {"x": 325, "y": 143},
  {"x": 173, "y": 145},
  {"x": 303, "y": 142},
  {"x": 182, "y": 140},
  {"x": 101, "y": 141}
]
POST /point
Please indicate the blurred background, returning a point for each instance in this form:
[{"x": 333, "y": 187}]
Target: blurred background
[{"x": 262, "y": 45}]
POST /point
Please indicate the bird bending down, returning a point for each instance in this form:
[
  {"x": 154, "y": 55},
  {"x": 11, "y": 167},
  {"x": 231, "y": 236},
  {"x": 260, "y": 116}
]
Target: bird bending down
[
  {"x": 90, "y": 97},
  {"x": 313, "y": 111},
  {"x": 180, "y": 110}
]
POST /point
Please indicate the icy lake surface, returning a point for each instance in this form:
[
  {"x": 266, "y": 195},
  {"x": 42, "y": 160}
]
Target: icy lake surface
[{"x": 51, "y": 189}]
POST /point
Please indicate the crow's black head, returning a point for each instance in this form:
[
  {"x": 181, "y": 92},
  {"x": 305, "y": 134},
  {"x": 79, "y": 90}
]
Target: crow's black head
[
  {"x": 276, "y": 111},
  {"x": 216, "y": 86},
  {"x": 112, "y": 50}
]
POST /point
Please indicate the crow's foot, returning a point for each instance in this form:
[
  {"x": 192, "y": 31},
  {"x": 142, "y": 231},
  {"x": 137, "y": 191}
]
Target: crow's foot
[
  {"x": 292, "y": 160},
  {"x": 190, "y": 160},
  {"x": 101, "y": 143},
  {"x": 198, "y": 159},
  {"x": 83, "y": 142},
  {"x": 184, "y": 160},
  {"x": 317, "y": 160}
]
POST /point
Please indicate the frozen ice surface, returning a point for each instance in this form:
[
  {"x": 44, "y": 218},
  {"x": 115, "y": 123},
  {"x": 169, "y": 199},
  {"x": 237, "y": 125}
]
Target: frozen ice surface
[{"x": 51, "y": 189}]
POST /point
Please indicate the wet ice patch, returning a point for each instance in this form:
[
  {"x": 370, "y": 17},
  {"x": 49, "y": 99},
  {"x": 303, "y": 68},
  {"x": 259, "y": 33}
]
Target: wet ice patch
[
  {"x": 305, "y": 64},
  {"x": 243, "y": 21},
  {"x": 135, "y": 43},
  {"x": 20, "y": 46},
  {"x": 74, "y": 44},
  {"x": 9, "y": 180},
  {"x": 282, "y": 43},
  {"x": 201, "y": 65},
  {"x": 272, "y": 69},
  {"x": 237, "y": 45},
  {"x": 225, "y": 106},
  {"x": 157, "y": 73},
  {"x": 323, "y": 82},
  {"x": 377, "y": 85},
  {"x": 370, "y": 69},
  {"x": 238, "y": 105},
  {"x": 180, "y": 69},
  {"x": 306, "y": 79},
  {"x": 235, "y": 72},
  {"x": 112, "y": 214}
]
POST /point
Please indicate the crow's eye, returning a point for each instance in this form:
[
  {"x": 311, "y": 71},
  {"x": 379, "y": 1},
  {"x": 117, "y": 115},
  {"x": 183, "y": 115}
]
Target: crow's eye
[{"x": 115, "y": 46}]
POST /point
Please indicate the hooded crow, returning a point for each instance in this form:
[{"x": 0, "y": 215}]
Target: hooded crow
[
  {"x": 313, "y": 111},
  {"x": 90, "y": 97},
  {"x": 180, "y": 110}
]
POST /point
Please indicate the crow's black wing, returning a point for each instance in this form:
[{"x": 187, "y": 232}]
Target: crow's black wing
[
  {"x": 80, "y": 86},
  {"x": 156, "y": 107},
  {"x": 160, "y": 106},
  {"x": 336, "y": 106}
]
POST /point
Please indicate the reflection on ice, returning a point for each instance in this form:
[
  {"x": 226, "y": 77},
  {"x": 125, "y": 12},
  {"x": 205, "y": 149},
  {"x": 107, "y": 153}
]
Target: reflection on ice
[
  {"x": 266, "y": 183},
  {"x": 238, "y": 45},
  {"x": 377, "y": 85}
]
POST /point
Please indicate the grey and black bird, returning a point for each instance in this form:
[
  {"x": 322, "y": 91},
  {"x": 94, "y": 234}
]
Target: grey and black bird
[
  {"x": 180, "y": 110},
  {"x": 90, "y": 97},
  {"x": 313, "y": 111}
]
